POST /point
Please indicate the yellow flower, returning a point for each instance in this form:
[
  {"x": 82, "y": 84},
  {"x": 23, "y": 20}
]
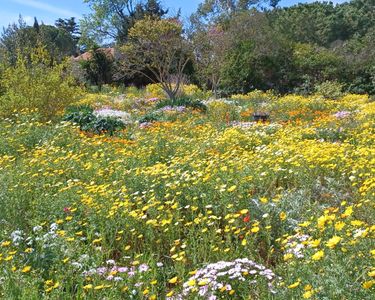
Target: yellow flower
[
  {"x": 368, "y": 284},
  {"x": 5, "y": 244},
  {"x": 282, "y": 216},
  {"x": 288, "y": 256},
  {"x": 8, "y": 258},
  {"x": 170, "y": 294},
  {"x": 332, "y": 242},
  {"x": 307, "y": 294},
  {"x": 97, "y": 241},
  {"x": 339, "y": 225},
  {"x": 61, "y": 232},
  {"x": 26, "y": 269},
  {"x": 173, "y": 280},
  {"x": 99, "y": 287},
  {"x": 315, "y": 243},
  {"x": 294, "y": 285},
  {"x": 348, "y": 212},
  {"x": 88, "y": 287},
  {"x": 191, "y": 282},
  {"x": 255, "y": 229},
  {"x": 318, "y": 255},
  {"x": 244, "y": 242},
  {"x": 48, "y": 282},
  {"x": 232, "y": 188},
  {"x": 202, "y": 282},
  {"x": 305, "y": 224}
]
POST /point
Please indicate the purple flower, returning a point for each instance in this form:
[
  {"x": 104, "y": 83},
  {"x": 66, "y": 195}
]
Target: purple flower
[
  {"x": 143, "y": 268},
  {"x": 342, "y": 114},
  {"x": 122, "y": 269},
  {"x": 203, "y": 290},
  {"x": 101, "y": 270}
]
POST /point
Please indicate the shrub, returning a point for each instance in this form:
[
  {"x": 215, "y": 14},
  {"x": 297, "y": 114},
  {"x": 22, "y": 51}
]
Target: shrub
[
  {"x": 37, "y": 83},
  {"x": 86, "y": 119},
  {"x": 220, "y": 111},
  {"x": 80, "y": 115},
  {"x": 155, "y": 91},
  {"x": 151, "y": 117},
  {"x": 329, "y": 89},
  {"x": 194, "y": 92},
  {"x": 187, "y": 90},
  {"x": 183, "y": 101}
]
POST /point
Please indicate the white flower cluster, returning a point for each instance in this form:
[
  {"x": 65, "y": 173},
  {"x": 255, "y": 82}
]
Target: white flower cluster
[
  {"x": 117, "y": 114},
  {"x": 220, "y": 276},
  {"x": 296, "y": 244}
]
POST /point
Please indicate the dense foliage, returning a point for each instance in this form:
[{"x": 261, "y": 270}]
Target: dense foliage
[
  {"x": 286, "y": 48},
  {"x": 233, "y": 46},
  {"x": 37, "y": 83}
]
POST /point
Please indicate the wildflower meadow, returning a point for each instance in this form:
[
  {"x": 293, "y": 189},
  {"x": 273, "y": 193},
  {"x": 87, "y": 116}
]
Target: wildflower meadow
[{"x": 190, "y": 200}]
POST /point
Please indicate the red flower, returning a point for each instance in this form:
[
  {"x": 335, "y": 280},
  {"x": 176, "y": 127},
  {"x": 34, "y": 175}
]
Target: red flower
[{"x": 246, "y": 219}]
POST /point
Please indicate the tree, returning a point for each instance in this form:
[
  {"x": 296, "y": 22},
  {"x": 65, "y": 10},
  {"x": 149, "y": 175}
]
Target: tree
[
  {"x": 157, "y": 49},
  {"x": 17, "y": 39},
  {"x": 112, "y": 19},
  {"x": 210, "y": 48},
  {"x": 71, "y": 27},
  {"x": 257, "y": 57},
  {"x": 214, "y": 11},
  {"x": 99, "y": 67},
  {"x": 20, "y": 39},
  {"x": 317, "y": 63},
  {"x": 37, "y": 83},
  {"x": 36, "y": 25}
]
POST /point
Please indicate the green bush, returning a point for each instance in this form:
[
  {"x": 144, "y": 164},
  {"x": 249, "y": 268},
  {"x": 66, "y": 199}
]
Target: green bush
[
  {"x": 84, "y": 117},
  {"x": 151, "y": 117},
  {"x": 329, "y": 89},
  {"x": 183, "y": 101},
  {"x": 221, "y": 111},
  {"x": 37, "y": 83}
]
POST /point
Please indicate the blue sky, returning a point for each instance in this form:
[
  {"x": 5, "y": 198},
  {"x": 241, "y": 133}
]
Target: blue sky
[{"x": 49, "y": 11}]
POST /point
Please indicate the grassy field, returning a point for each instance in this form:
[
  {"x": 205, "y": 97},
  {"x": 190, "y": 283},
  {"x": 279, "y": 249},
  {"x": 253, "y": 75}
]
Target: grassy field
[{"x": 196, "y": 205}]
